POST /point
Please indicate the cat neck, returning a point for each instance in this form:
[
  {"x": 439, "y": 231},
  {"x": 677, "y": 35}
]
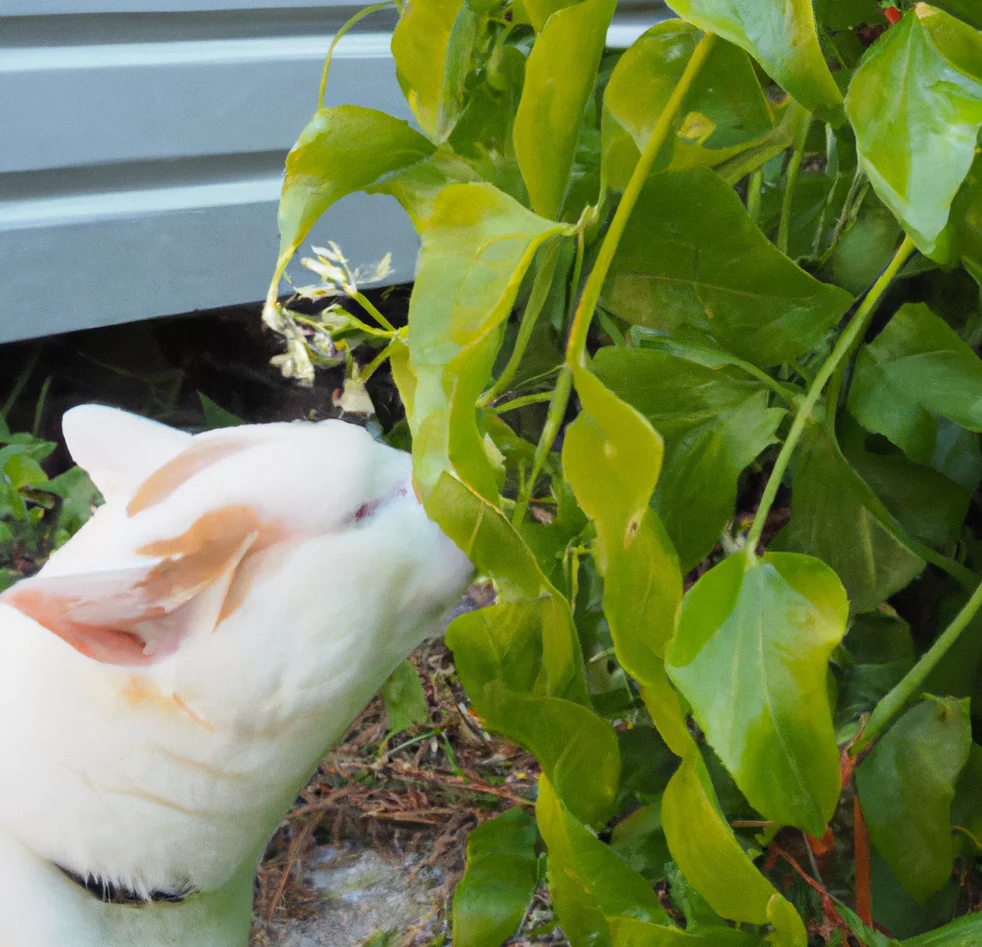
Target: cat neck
[{"x": 42, "y": 906}]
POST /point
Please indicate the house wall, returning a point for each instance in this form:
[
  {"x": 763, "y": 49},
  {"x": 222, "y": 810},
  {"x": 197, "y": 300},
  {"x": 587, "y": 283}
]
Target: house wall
[{"x": 142, "y": 146}]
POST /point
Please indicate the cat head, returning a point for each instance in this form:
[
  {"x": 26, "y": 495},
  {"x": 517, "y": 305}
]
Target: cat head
[{"x": 172, "y": 554}]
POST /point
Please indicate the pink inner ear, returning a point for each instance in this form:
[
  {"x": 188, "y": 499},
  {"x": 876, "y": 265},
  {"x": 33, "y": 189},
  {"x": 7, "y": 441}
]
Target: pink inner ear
[
  {"x": 108, "y": 645},
  {"x": 139, "y": 615}
]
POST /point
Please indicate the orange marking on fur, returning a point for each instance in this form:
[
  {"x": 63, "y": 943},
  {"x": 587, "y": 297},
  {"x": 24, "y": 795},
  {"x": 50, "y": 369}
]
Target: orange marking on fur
[
  {"x": 139, "y": 690},
  {"x": 205, "y": 551},
  {"x": 107, "y": 626},
  {"x": 197, "y": 718},
  {"x": 175, "y": 473}
]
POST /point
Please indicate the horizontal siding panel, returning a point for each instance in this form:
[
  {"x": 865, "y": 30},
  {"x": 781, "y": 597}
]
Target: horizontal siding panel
[
  {"x": 48, "y": 7},
  {"x": 208, "y": 247},
  {"x": 131, "y": 102},
  {"x": 142, "y": 163}
]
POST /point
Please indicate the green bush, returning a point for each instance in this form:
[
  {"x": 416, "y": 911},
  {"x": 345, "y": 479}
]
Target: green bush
[
  {"x": 732, "y": 272},
  {"x": 38, "y": 513}
]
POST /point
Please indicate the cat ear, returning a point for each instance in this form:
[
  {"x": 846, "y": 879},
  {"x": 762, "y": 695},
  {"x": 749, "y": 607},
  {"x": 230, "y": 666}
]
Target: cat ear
[
  {"x": 140, "y": 614},
  {"x": 119, "y": 450}
]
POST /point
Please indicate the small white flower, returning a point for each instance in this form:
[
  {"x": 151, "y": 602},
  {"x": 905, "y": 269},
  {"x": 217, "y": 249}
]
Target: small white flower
[
  {"x": 354, "y": 398},
  {"x": 332, "y": 275}
]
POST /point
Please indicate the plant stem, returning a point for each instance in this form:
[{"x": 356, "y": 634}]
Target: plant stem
[
  {"x": 576, "y": 347},
  {"x": 560, "y": 397},
  {"x": 582, "y": 317},
  {"x": 775, "y": 142},
  {"x": 357, "y": 18},
  {"x": 855, "y": 328},
  {"x": 536, "y": 303},
  {"x": 517, "y": 403},
  {"x": 378, "y": 361},
  {"x": 794, "y": 165},
  {"x": 849, "y": 211},
  {"x": 754, "y": 188},
  {"x": 891, "y": 704},
  {"x": 22, "y": 379},
  {"x": 369, "y": 307},
  {"x": 557, "y": 410},
  {"x": 789, "y": 393},
  {"x": 39, "y": 407}
]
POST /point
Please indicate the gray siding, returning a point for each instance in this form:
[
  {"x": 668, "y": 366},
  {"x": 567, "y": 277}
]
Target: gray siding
[{"x": 142, "y": 147}]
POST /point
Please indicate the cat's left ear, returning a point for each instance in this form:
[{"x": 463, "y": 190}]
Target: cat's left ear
[{"x": 119, "y": 450}]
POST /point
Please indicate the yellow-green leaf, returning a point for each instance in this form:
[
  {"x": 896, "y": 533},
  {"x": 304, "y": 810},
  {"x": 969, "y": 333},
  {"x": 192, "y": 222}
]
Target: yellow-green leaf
[
  {"x": 559, "y": 79},
  {"x": 781, "y": 35},
  {"x": 751, "y": 657}
]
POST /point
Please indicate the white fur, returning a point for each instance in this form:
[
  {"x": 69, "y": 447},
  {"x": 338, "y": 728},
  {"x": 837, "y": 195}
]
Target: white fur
[{"x": 177, "y": 772}]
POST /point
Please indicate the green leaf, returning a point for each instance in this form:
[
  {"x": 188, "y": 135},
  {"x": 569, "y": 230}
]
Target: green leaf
[
  {"x": 405, "y": 700},
  {"x": 724, "y": 113},
  {"x": 677, "y": 389},
  {"x": 700, "y": 838},
  {"x": 588, "y": 880},
  {"x": 866, "y": 935},
  {"x": 968, "y": 10},
  {"x": 966, "y": 222},
  {"x": 500, "y": 879},
  {"x": 880, "y": 652},
  {"x": 781, "y": 36},
  {"x": 612, "y": 457},
  {"x": 576, "y": 748},
  {"x": 693, "y": 906},
  {"x": 698, "y": 490},
  {"x": 484, "y": 132},
  {"x": 692, "y": 263},
  {"x": 477, "y": 246},
  {"x": 539, "y": 11},
  {"x": 342, "y": 150},
  {"x": 865, "y": 248},
  {"x": 488, "y": 540},
  {"x": 215, "y": 415},
  {"x": 646, "y": 763},
  {"x": 906, "y": 786},
  {"x": 843, "y": 14},
  {"x": 433, "y": 46},
  {"x": 915, "y": 103},
  {"x": 927, "y": 504},
  {"x": 957, "y": 673},
  {"x": 21, "y": 470},
  {"x": 629, "y": 932},
  {"x": 915, "y": 368},
  {"x": 829, "y": 500},
  {"x": 751, "y": 657},
  {"x": 27, "y": 444},
  {"x": 640, "y": 841},
  {"x": 966, "y": 808},
  {"x": 79, "y": 496},
  {"x": 706, "y": 849},
  {"x": 559, "y": 80},
  {"x": 715, "y": 421},
  {"x": 964, "y": 932},
  {"x": 898, "y": 912},
  {"x": 529, "y": 647}
]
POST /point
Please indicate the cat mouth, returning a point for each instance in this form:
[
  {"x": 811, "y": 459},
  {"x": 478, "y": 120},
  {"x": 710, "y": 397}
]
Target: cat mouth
[
  {"x": 108, "y": 892},
  {"x": 368, "y": 510}
]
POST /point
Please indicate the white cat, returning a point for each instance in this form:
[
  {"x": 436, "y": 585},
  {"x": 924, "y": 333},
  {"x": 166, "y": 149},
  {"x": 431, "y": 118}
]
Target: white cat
[{"x": 172, "y": 676}]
